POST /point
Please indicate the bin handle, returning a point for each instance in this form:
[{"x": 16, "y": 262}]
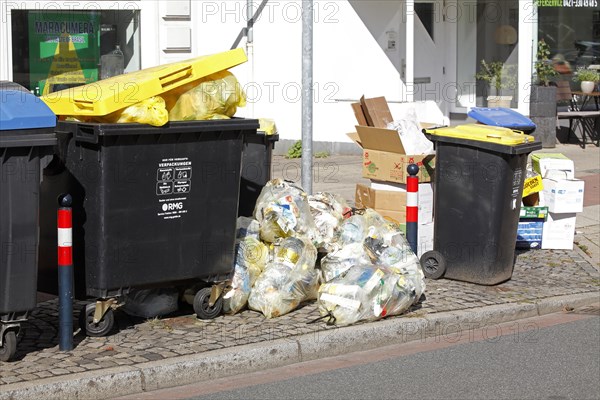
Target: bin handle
[
  {"x": 86, "y": 133},
  {"x": 176, "y": 76}
]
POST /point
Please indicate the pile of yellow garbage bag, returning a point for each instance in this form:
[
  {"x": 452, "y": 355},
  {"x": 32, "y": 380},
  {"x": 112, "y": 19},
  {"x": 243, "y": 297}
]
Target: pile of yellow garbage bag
[{"x": 216, "y": 96}]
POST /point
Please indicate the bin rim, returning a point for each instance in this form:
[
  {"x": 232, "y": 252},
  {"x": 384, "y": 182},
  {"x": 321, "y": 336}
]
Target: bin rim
[
  {"x": 90, "y": 132},
  {"x": 524, "y": 148}
]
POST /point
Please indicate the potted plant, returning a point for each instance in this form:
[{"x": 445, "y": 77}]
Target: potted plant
[
  {"x": 542, "y": 101},
  {"x": 499, "y": 76},
  {"x": 588, "y": 79},
  {"x": 543, "y": 90}
]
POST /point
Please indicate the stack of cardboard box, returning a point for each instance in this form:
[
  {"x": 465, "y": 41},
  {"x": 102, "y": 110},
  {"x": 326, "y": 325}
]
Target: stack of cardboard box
[
  {"x": 562, "y": 194},
  {"x": 385, "y": 162}
]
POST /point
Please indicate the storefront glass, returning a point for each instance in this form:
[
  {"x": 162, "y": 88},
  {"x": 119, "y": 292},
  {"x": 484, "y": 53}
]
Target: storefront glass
[
  {"x": 487, "y": 53},
  {"x": 572, "y": 31},
  {"x": 55, "y": 50}
]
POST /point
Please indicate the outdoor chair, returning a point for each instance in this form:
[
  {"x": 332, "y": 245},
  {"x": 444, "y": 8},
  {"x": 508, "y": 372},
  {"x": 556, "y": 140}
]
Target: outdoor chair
[{"x": 587, "y": 119}]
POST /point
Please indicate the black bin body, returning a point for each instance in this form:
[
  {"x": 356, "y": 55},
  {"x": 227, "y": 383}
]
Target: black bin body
[
  {"x": 478, "y": 190},
  {"x": 23, "y": 153},
  {"x": 151, "y": 205},
  {"x": 256, "y": 169}
]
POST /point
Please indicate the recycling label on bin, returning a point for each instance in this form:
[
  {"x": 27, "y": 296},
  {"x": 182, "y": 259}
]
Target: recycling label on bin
[
  {"x": 517, "y": 186},
  {"x": 173, "y": 182}
]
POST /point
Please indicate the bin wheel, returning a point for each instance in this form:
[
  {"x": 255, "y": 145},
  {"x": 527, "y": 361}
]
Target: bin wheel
[
  {"x": 433, "y": 264},
  {"x": 9, "y": 346},
  {"x": 87, "y": 325},
  {"x": 202, "y": 307}
]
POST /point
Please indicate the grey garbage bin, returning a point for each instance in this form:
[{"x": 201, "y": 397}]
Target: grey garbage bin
[{"x": 26, "y": 142}]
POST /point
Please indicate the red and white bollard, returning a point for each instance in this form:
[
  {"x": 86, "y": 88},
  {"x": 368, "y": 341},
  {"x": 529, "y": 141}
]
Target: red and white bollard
[
  {"x": 412, "y": 207},
  {"x": 65, "y": 273}
]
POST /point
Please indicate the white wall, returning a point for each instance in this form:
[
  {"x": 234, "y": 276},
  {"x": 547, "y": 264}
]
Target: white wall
[{"x": 348, "y": 60}]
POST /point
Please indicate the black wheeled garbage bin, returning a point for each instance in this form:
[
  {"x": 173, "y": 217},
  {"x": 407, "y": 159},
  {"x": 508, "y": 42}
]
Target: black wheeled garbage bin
[
  {"x": 256, "y": 169},
  {"x": 26, "y": 142},
  {"x": 478, "y": 187},
  {"x": 152, "y": 207}
]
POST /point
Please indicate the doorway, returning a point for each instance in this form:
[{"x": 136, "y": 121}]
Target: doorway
[{"x": 430, "y": 52}]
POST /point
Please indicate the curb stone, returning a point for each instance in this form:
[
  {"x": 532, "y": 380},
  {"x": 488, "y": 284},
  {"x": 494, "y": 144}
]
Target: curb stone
[{"x": 121, "y": 381}]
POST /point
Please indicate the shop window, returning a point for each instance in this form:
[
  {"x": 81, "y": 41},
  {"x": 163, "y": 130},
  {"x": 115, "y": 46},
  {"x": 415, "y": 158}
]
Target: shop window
[
  {"x": 487, "y": 47},
  {"x": 55, "y": 50},
  {"x": 573, "y": 35}
]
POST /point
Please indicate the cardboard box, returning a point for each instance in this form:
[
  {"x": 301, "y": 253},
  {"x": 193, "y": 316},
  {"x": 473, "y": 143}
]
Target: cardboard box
[
  {"x": 564, "y": 195},
  {"x": 559, "y": 231},
  {"x": 425, "y": 197},
  {"x": 391, "y": 205},
  {"x": 376, "y": 112},
  {"x": 384, "y": 158},
  {"x": 366, "y": 197},
  {"x": 544, "y": 163},
  {"x": 530, "y": 233},
  {"x": 425, "y": 238}
]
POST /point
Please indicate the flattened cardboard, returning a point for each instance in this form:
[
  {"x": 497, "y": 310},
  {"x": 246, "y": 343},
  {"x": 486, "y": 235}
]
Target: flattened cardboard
[
  {"x": 359, "y": 114},
  {"x": 376, "y": 111},
  {"x": 380, "y": 139}
]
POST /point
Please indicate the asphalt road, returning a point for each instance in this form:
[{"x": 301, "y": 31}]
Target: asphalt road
[{"x": 552, "y": 357}]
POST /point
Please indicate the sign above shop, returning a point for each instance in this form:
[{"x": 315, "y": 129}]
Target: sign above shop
[{"x": 566, "y": 3}]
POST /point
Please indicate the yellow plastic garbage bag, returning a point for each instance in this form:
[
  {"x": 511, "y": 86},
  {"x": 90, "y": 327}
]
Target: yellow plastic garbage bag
[
  {"x": 151, "y": 111},
  {"x": 215, "y": 97},
  {"x": 268, "y": 126}
]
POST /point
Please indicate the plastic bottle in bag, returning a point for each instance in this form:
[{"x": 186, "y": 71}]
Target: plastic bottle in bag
[{"x": 288, "y": 280}]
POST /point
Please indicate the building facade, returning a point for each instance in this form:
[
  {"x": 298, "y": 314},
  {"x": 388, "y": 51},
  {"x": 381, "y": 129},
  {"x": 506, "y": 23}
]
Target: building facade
[{"x": 403, "y": 50}]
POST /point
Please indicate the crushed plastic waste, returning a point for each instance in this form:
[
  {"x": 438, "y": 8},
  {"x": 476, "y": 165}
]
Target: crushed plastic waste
[
  {"x": 375, "y": 273},
  {"x": 150, "y": 303},
  {"x": 328, "y": 211},
  {"x": 366, "y": 293},
  {"x": 368, "y": 269},
  {"x": 283, "y": 211},
  {"x": 288, "y": 280},
  {"x": 251, "y": 255},
  {"x": 342, "y": 259}
]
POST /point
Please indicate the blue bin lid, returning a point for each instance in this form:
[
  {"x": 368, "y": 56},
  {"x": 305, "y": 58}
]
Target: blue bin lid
[
  {"x": 20, "y": 109},
  {"x": 503, "y": 117}
]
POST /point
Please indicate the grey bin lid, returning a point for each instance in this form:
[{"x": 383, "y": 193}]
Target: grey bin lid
[{"x": 21, "y": 110}]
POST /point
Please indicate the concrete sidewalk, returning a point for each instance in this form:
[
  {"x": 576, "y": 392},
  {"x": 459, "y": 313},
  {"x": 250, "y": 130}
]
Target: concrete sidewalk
[{"x": 151, "y": 354}]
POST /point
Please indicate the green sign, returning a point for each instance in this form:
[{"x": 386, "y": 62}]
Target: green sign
[
  {"x": 64, "y": 49},
  {"x": 566, "y": 3}
]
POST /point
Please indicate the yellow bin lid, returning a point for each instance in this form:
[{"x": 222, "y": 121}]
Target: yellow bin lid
[
  {"x": 483, "y": 133},
  {"x": 112, "y": 94}
]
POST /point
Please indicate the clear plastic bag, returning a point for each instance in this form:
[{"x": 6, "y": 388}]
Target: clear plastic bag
[
  {"x": 341, "y": 260},
  {"x": 328, "y": 211},
  {"x": 215, "y": 97},
  {"x": 413, "y": 139},
  {"x": 251, "y": 256},
  {"x": 365, "y": 293},
  {"x": 288, "y": 280},
  {"x": 282, "y": 210},
  {"x": 247, "y": 227}
]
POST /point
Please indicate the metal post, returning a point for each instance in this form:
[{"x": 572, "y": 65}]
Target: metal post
[
  {"x": 250, "y": 47},
  {"x": 412, "y": 207},
  {"x": 307, "y": 94},
  {"x": 65, "y": 273}
]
